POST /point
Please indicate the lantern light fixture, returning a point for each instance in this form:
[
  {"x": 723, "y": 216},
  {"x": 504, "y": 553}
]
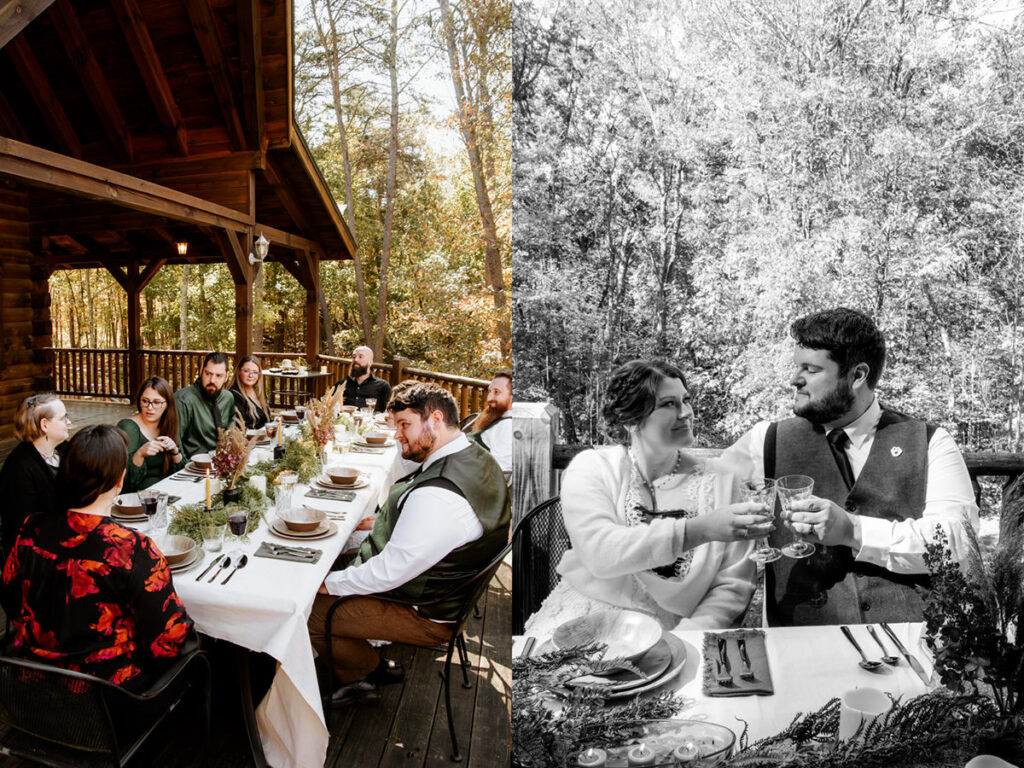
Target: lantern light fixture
[
  {"x": 261, "y": 246},
  {"x": 182, "y": 248}
]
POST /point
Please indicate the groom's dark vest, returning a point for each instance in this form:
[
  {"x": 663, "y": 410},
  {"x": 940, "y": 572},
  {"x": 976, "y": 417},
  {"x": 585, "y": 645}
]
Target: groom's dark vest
[
  {"x": 830, "y": 587},
  {"x": 473, "y": 474}
]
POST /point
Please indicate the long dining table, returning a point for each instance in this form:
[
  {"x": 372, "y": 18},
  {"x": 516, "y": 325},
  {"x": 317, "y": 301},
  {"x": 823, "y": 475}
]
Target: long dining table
[
  {"x": 808, "y": 666},
  {"x": 264, "y": 607}
]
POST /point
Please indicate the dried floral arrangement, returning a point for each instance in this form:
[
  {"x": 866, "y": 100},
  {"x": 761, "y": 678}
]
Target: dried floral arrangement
[
  {"x": 320, "y": 415},
  {"x": 232, "y": 451}
]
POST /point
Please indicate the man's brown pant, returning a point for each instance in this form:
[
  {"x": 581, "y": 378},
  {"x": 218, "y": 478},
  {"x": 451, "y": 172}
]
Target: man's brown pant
[{"x": 361, "y": 618}]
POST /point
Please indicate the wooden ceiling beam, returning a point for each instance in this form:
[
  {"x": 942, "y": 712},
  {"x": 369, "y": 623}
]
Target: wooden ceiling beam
[
  {"x": 93, "y": 80},
  {"x": 124, "y": 280},
  {"x": 250, "y": 45},
  {"x": 47, "y": 169},
  {"x": 289, "y": 262},
  {"x": 15, "y": 15},
  {"x": 284, "y": 194},
  {"x": 324, "y": 193},
  {"x": 236, "y": 259},
  {"x": 286, "y": 239},
  {"x": 38, "y": 86},
  {"x": 133, "y": 26},
  {"x": 178, "y": 167},
  {"x": 205, "y": 28},
  {"x": 150, "y": 272}
]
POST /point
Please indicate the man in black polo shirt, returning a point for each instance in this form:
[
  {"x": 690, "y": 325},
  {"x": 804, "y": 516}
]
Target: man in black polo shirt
[{"x": 362, "y": 384}]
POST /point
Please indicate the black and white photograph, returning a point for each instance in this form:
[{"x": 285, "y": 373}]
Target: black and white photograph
[{"x": 767, "y": 273}]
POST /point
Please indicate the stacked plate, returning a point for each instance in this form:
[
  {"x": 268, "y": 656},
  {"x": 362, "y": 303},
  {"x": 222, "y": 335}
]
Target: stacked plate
[
  {"x": 363, "y": 444},
  {"x": 325, "y": 482},
  {"x": 635, "y": 638},
  {"x": 192, "y": 559},
  {"x": 192, "y": 469},
  {"x": 127, "y": 509},
  {"x": 325, "y": 530}
]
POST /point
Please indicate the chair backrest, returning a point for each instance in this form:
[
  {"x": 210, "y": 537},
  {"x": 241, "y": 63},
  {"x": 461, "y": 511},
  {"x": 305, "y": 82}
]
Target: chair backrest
[
  {"x": 58, "y": 705},
  {"x": 538, "y": 543},
  {"x": 468, "y": 421},
  {"x": 479, "y": 583}
]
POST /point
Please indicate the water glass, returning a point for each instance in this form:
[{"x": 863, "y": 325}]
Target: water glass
[
  {"x": 761, "y": 491},
  {"x": 792, "y": 488},
  {"x": 213, "y": 535},
  {"x": 284, "y": 491},
  {"x": 371, "y": 406}
]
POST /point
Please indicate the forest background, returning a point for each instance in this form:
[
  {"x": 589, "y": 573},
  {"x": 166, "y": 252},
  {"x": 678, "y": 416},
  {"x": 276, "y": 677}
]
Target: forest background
[
  {"x": 378, "y": 103},
  {"x": 692, "y": 176}
]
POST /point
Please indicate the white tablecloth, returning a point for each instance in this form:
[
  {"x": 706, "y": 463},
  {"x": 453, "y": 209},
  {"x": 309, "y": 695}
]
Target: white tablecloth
[
  {"x": 809, "y": 666},
  {"x": 265, "y": 606}
]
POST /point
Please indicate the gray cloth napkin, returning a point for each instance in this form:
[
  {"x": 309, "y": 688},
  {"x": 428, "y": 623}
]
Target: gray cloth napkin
[
  {"x": 326, "y": 493},
  {"x": 293, "y": 554},
  {"x": 761, "y": 685}
]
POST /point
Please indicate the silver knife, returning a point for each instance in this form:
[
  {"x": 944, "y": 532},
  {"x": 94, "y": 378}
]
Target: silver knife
[
  {"x": 210, "y": 566},
  {"x": 913, "y": 662}
]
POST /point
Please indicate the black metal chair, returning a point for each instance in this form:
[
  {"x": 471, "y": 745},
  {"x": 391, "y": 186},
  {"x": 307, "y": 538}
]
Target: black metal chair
[
  {"x": 536, "y": 552},
  {"x": 66, "y": 719},
  {"x": 468, "y": 421},
  {"x": 456, "y": 641}
]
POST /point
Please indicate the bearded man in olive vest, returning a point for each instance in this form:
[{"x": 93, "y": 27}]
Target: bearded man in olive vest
[
  {"x": 438, "y": 528},
  {"x": 883, "y": 483}
]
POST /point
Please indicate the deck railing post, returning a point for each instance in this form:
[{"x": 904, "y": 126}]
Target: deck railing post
[{"x": 398, "y": 365}]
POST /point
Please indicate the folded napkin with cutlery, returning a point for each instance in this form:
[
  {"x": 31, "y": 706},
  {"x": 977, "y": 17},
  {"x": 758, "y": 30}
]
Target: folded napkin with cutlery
[
  {"x": 293, "y": 554},
  {"x": 363, "y": 449},
  {"x": 325, "y": 493},
  {"x": 187, "y": 478},
  {"x": 738, "y": 654}
]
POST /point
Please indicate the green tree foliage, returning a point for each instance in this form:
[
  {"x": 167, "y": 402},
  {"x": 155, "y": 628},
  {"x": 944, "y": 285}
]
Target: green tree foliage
[{"x": 692, "y": 177}]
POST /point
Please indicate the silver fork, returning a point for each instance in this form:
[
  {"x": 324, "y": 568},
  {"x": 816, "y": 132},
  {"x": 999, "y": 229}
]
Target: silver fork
[
  {"x": 748, "y": 672},
  {"x": 723, "y": 662}
]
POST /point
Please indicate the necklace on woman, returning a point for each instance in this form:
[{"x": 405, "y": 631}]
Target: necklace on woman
[{"x": 648, "y": 485}]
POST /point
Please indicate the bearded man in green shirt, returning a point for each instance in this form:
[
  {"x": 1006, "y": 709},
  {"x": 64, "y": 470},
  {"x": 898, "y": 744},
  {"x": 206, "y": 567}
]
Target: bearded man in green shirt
[{"x": 205, "y": 406}]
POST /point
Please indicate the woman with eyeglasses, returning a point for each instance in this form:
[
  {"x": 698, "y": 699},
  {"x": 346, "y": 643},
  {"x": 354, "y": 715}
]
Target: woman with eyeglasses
[
  {"x": 248, "y": 391},
  {"x": 27, "y": 477},
  {"x": 153, "y": 439}
]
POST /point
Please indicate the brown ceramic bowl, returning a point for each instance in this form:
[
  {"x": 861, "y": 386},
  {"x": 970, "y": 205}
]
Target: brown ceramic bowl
[
  {"x": 177, "y": 548},
  {"x": 348, "y": 408},
  {"x": 375, "y": 438},
  {"x": 202, "y": 461},
  {"x": 128, "y": 505},
  {"x": 303, "y": 519},
  {"x": 342, "y": 475}
]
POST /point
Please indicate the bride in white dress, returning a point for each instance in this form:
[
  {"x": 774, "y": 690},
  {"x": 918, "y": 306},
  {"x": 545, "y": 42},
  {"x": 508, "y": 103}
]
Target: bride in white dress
[{"x": 653, "y": 528}]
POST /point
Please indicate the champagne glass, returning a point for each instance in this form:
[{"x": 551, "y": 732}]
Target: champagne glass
[
  {"x": 792, "y": 488},
  {"x": 761, "y": 491}
]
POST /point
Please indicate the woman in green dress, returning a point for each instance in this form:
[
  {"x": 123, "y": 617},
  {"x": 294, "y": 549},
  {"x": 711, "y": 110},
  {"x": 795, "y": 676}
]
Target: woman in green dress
[
  {"x": 153, "y": 440},
  {"x": 247, "y": 388}
]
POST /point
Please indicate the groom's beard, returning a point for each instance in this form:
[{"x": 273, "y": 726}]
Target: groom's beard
[
  {"x": 829, "y": 408},
  {"x": 488, "y": 416}
]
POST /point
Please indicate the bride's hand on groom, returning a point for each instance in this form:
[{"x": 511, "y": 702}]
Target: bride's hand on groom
[
  {"x": 823, "y": 518},
  {"x": 736, "y": 522}
]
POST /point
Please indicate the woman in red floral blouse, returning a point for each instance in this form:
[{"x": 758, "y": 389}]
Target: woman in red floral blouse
[{"x": 94, "y": 596}]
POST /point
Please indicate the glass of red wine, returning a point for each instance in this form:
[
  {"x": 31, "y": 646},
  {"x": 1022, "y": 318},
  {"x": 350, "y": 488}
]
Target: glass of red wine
[
  {"x": 238, "y": 521},
  {"x": 150, "y": 504}
]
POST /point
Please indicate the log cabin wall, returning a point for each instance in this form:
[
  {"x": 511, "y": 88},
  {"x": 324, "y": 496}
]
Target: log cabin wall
[{"x": 25, "y": 329}]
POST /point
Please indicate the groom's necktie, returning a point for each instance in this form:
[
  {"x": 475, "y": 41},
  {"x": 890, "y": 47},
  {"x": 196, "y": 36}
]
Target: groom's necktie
[{"x": 837, "y": 441}]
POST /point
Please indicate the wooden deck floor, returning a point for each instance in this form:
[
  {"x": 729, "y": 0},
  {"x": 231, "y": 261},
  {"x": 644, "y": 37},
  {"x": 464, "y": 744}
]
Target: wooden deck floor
[{"x": 408, "y": 727}]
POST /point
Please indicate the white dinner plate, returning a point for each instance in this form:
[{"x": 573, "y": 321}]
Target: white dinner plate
[
  {"x": 325, "y": 530},
  {"x": 195, "y": 557},
  {"x": 386, "y": 444},
  {"x": 325, "y": 482}
]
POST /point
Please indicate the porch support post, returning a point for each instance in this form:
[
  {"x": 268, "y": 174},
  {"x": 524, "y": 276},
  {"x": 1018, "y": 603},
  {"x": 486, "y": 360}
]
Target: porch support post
[
  {"x": 241, "y": 272},
  {"x": 311, "y": 273},
  {"x": 134, "y": 330}
]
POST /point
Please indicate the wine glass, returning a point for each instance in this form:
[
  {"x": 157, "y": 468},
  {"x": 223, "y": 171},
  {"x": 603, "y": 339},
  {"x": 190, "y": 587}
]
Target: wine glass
[
  {"x": 792, "y": 488},
  {"x": 371, "y": 406},
  {"x": 238, "y": 520},
  {"x": 300, "y": 411},
  {"x": 150, "y": 504},
  {"x": 761, "y": 491}
]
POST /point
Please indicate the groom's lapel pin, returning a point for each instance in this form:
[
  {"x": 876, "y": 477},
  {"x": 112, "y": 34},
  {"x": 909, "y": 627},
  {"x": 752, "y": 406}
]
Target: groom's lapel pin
[{"x": 896, "y": 451}]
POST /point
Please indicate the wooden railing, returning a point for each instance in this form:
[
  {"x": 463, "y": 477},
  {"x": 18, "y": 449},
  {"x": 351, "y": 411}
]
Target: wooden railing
[{"x": 104, "y": 372}]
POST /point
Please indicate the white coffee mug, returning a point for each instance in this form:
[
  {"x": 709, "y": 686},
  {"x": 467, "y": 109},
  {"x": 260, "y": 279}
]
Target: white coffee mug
[{"x": 859, "y": 708}]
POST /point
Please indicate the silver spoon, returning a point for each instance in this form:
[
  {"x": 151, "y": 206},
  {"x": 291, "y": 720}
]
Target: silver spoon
[
  {"x": 225, "y": 563},
  {"x": 242, "y": 562},
  {"x": 892, "y": 661},
  {"x": 871, "y": 666}
]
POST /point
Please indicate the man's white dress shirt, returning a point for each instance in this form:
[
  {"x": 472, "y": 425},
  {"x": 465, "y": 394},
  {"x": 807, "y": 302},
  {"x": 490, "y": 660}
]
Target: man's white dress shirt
[
  {"x": 498, "y": 439},
  {"x": 896, "y": 546},
  {"x": 433, "y": 522}
]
